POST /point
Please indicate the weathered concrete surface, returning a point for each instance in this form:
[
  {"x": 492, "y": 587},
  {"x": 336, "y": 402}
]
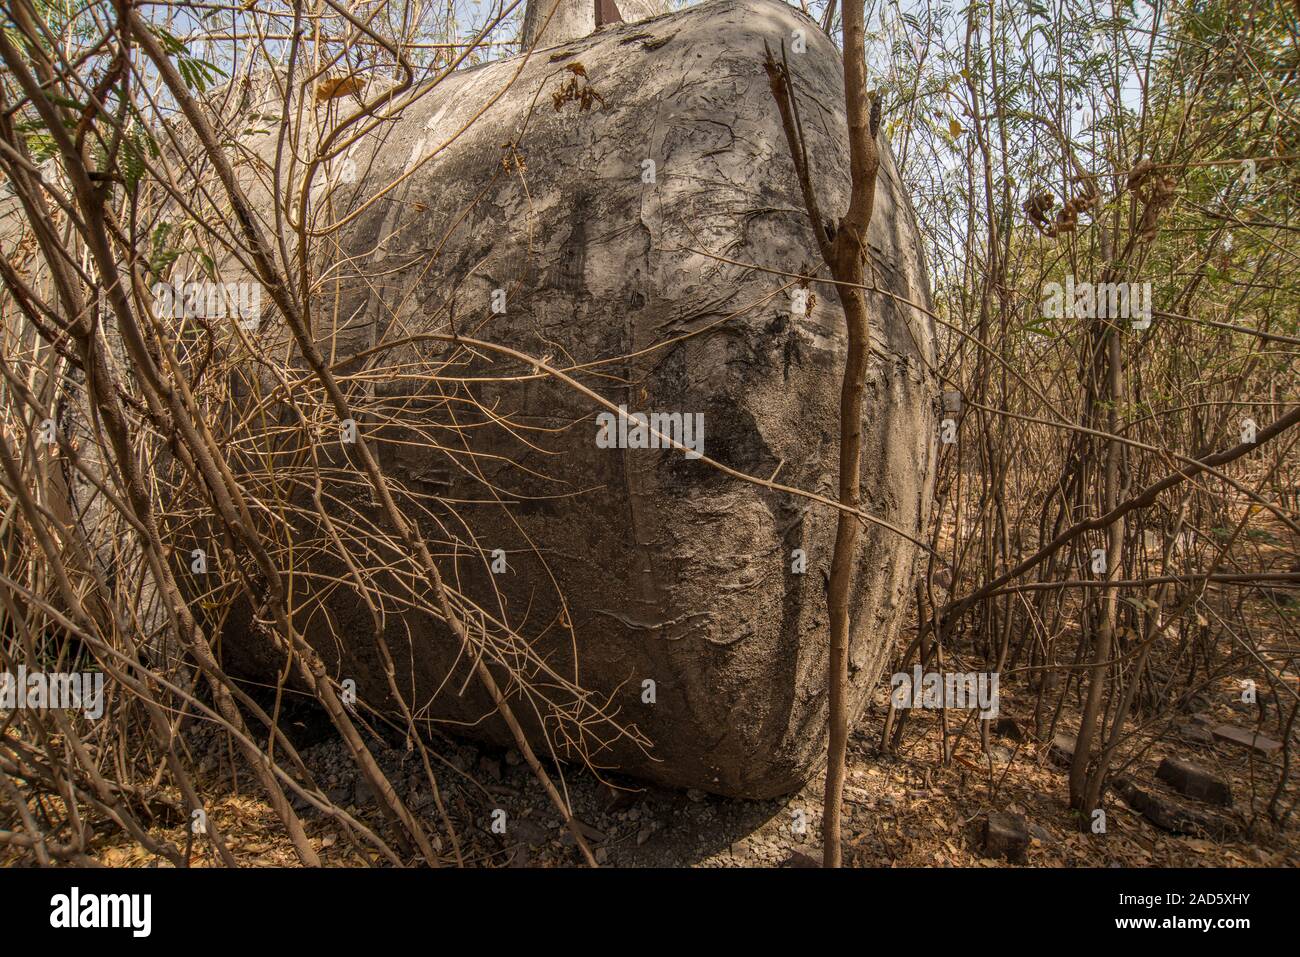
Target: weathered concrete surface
[
  {"x": 671, "y": 571},
  {"x": 559, "y": 21}
]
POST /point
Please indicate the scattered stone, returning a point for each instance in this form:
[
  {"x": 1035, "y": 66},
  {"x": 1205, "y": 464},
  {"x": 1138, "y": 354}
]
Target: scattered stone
[
  {"x": 601, "y": 855},
  {"x": 1008, "y": 728},
  {"x": 803, "y": 855},
  {"x": 1040, "y": 833},
  {"x": 1246, "y": 739},
  {"x": 589, "y": 833},
  {"x": 1194, "y": 781},
  {"x": 1195, "y": 734},
  {"x": 1006, "y": 835},
  {"x": 1168, "y": 815},
  {"x": 514, "y": 758},
  {"x": 519, "y": 856},
  {"x": 1001, "y": 754},
  {"x": 530, "y": 832},
  {"x": 621, "y": 799},
  {"x": 695, "y": 794},
  {"x": 644, "y": 835},
  {"x": 490, "y": 767},
  {"x": 1061, "y": 750}
]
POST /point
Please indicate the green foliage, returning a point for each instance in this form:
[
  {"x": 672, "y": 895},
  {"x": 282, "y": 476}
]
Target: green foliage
[
  {"x": 161, "y": 253},
  {"x": 197, "y": 73},
  {"x": 136, "y": 144}
]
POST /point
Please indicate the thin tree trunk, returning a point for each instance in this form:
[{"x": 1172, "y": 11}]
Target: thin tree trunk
[{"x": 844, "y": 250}]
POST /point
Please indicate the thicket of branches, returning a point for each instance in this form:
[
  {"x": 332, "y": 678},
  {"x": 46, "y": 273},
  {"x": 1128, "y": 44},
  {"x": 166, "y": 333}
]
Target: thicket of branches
[
  {"x": 1122, "y": 143},
  {"x": 145, "y": 496}
]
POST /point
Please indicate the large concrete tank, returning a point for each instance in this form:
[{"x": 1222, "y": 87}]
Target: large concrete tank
[{"x": 671, "y": 571}]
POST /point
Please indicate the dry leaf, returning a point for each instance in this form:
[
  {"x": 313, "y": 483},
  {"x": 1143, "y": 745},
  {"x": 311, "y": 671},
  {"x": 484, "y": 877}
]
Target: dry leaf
[{"x": 331, "y": 88}]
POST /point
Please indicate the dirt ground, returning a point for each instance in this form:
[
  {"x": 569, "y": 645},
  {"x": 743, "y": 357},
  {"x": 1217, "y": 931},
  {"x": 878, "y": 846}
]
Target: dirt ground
[{"x": 906, "y": 809}]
